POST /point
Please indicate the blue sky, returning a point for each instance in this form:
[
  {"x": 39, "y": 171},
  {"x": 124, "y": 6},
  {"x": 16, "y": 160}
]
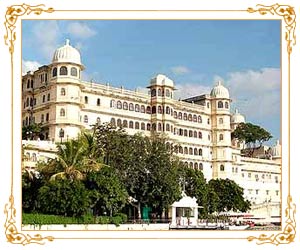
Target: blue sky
[{"x": 244, "y": 54}]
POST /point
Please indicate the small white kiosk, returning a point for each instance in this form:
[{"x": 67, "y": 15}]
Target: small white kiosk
[{"x": 185, "y": 212}]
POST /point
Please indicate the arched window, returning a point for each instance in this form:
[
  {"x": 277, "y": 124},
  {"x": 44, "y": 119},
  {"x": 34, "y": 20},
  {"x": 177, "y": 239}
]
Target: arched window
[
  {"x": 113, "y": 122},
  {"x": 54, "y": 72},
  {"x": 159, "y": 127},
  {"x": 186, "y": 151},
  {"x": 28, "y": 83},
  {"x": 85, "y": 119},
  {"x": 148, "y": 126},
  {"x": 148, "y": 110},
  {"x": 98, "y": 121},
  {"x": 62, "y": 91},
  {"x": 62, "y": 112},
  {"x": 125, "y": 124},
  {"x": 34, "y": 157},
  {"x": 222, "y": 168},
  {"x": 63, "y": 71},
  {"x": 159, "y": 110},
  {"x": 221, "y": 137},
  {"x": 98, "y": 102},
  {"x": 190, "y": 133},
  {"x": 86, "y": 100},
  {"x": 195, "y": 134},
  {"x": 31, "y": 83},
  {"x": 226, "y": 105},
  {"x": 190, "y": 151},
  {"x": 47, "y": 117},
  {"x": 190, "y": 117},
  {"x": 168, "y": 127},
  {"x": 73, "y": 71},
  {"x": 168, "y": 93},
  {"x": 131, "y": 107},
  {"x": 154, "y": 127},
  {"x": 44, "y": 98},
  {"x": 194, "y": 118},
  {"x": 220, "y": 120},
  {"x": 185, "y": 116},
  {"x": 180, "y": 131},
  {"x": 130, "y": 124},
  {"x": 185, "y": 132},
  {"x": 186, "y": 164},
  {"x": 220, "y": 104},
  {"x": 159, "y": 92},
  {"x": 180, "y": 150},
  {"x": 48, "y": 97},
  {"x": 168, "y": 110},
  {"x": 125, "y": 105},
  {"x": 208, "y": 121},
  {"x": 142, "y": 126},
  {"x": 201, "y": 166},
  {"x": 199, "y": 119},
  {"x": 196, "y": 166},
  {"x": 154, "y": 110},
  {"x": 119, "y": 105},
  {"x": 200, "y": 135},
  {"x": 137, "y": 108},
  {"x": 112, "y": 103},
  {"x": 180, "y": 116},
  {"x": 191, "y": 165},
  {"x": 137, "y": 125},
  {"x": 153, "y": 92},
  {"x": 142, "y": 109},
  {"x": 195, "y": 151},
  {"x": 119, "y": 123},
  {"x": 200, "y": 151},
  {"x": 175, "y": 114}
]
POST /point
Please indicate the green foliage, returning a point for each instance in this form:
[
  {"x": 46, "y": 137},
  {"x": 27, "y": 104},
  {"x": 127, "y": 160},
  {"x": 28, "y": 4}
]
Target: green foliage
[{"x": 32, "y": 131}]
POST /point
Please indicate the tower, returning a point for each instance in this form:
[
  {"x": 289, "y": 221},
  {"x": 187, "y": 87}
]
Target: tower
[{"x": 221, "y": 132}]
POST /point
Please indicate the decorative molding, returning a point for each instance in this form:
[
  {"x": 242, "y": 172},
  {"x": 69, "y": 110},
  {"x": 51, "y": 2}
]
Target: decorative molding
[
  {"x": 12, "y": 14},
  {"x": 289, "y": 232},
  {"x": 11, "y": 231},
  {"x": 289, "y": 16}
]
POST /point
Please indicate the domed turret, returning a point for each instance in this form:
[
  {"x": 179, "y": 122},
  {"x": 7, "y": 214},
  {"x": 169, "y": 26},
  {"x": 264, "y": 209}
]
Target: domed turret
[
  {"x": 161, "y": 80},
  {"x": 237, "y": 118},
  {"x": 219, "y": 91},
  {"x": 66, "y": 54}
]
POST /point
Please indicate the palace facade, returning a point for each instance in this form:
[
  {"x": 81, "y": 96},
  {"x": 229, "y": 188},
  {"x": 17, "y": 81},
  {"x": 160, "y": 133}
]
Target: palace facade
[{"x": 57, "y": 97}]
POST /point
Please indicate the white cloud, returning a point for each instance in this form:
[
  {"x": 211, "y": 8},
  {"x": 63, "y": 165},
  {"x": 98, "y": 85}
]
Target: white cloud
[
  {"x": 256, "y": 93},
  {"x": 180, "y": 70},
  {"x": 29, "y": 66},
  {"x": 80, "y": 30},
  {"x": 186, "y": 90}
]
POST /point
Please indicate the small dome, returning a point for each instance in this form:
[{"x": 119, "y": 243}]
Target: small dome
[
  {"x": 66, "y": 54},
  {"x": 219, "y": 91},
  {"x": 276, "y": 150},
  {"x": 237, "y": 117},
  {"x": 162, "y": 80}
]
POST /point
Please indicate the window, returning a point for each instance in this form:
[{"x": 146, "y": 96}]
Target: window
[
  {"x": 113, "y": 121},
  {"x": 154, "y": 109},
  {"x": 131, "y": 124},
  {"x": 208, "y": 137},
  {"x": 112, "y": 103},
  {"x": 26, "y": 121},
  {"x": 131, "y": 106},
  {"x": 207, "y": 105},
  {"x": 195, "y": 134},
  {"x": 200, "y": 135},
  {"x": 142, "y": 126},
  {"x": 154, "y": 127},
  {"x": 180, "y": 116},
  {"x": 185, "y": 150},
  {"x": 167, "y": 110},
  {"x": 180, "y": 131},
  {"x": 221, "y": 137},
  {"x": 175, "y": 114},
  {"x": 44, "y": 98},
  {"x": 119, "y": 105},
  {"x": 63, "y": 71},
  {"x": 62, "y": 112},
  {"x": 159, "y": 92},
  {"x": 98, "y": 102},
  {"x": 180, "y": 150},
  {"x": 226, "y": 105},
  {"x": 34, "y": 157},
  {"x": 148, "y": 126},
  {"x": 31, "y": 83},
  {"x": 73, "y": 71},
  {"x": 28, "y": 83},
  {"x": 195, "y": 151},
  {"x": 63, "y": 91},
  {"x": 190, "y": 117},
  {"x": 119, "y": 123},
  {"x": 194, "y": 118},
  {"x": 159, "y": 110},
  {"x": 220, "y": 120},
  {"x": 85, "y": 119},
  {"x": 277, "y": 192},
  {"x": 185, "y": 132},
  {"x": 267, "y": 192},
  {"x": 137, "y": 108},
  {"x": 137, "y": 125},
  {"x": 86, "y": 100},
  {"x": 201, "y": 166},
  {"x": 148, "y": 110},
  {"x": 125, "y": 124},
  {"x": 142, "y": 109},
  {"x": 48, "y": 97},
  {"x": 200, "y": 151},
  {"x": 153, "y": 92},
  {"x": 190, "y": 133},
  {"x": 222, "y": 168},
  {"x": 220, "y": 104},
  {"x": 256, "y": 191},
  {"x": 98, "y": 121},
  {"x": 191, "y": 165},
  {"x": 168, "y": 127},
  {"x": 47, "y": 117},
  {"x": 208, "y": 121},
  {"x": 185, "y": 116},
  {"x": 167, "y": 93},
  {"x": 54, "y": 72},
  {"x": 159, "y": 127},
  {"x": 199, "y": 119},
  {"x": 42, "y": 118}
]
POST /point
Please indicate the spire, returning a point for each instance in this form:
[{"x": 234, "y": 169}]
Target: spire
[{"x": 67, "y": 42}]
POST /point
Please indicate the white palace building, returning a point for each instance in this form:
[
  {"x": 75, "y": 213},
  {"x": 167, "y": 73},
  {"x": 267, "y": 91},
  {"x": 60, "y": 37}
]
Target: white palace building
[{"x": 55, "y": 96}]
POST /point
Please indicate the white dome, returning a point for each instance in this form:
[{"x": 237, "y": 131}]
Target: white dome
[
  {"x": 276, "y": 150},
  {"x": 66, "y": 54},
  {"x": 219, "y": 91},
  {"x": 237, "y": 117},
  {"x": 162, "y": 80}
]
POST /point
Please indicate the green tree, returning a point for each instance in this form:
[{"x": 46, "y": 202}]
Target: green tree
[
  {"x": 32, "y": 131},
  {"x": 64, "y": 197},
  {"x": 108, "y": 193}
]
